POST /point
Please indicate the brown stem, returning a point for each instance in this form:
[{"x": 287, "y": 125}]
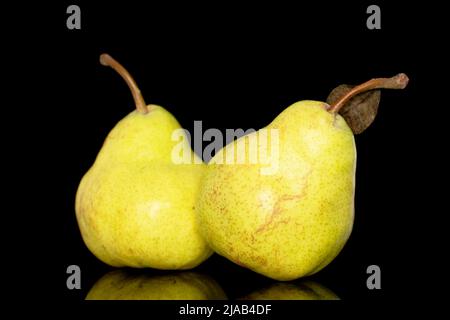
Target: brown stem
[
  {"x": 397, "y": 82},
  {"x": 107, "y": 60}
]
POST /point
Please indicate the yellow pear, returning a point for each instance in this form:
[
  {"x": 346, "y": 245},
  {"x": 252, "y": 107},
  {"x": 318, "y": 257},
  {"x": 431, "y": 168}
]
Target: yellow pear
[
  {"x": 291, "y": 215},
  {"x": 135, "y": 207},
  {"x": 308, "y": 290},
  {"x": 121, "y": 285}
]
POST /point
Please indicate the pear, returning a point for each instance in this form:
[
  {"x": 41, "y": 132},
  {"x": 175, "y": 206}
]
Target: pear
[
  {"x": 135, "y": 207},
  {"x": 292, "y": 220},
  {"x": 121, "y": 285},
  {"x": 308, "y": 290}
]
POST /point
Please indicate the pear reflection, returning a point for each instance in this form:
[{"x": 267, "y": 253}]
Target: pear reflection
[
  {"x": 306, "y": 290},
  {"x": 123, "y": 285}
]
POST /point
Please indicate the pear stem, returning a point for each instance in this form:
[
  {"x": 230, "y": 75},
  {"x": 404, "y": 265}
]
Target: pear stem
[
  {"x": 396, "y": 82},
  {"x": 108, "y": 61}
]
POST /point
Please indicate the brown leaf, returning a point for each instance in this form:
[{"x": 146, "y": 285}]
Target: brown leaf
[{"x": 360, "y": 111}]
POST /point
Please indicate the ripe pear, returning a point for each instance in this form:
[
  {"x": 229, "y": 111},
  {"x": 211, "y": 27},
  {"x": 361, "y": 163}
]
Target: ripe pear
[
  {"x": 292, "y": 220},
  {"x": 308, "y": 290},
  {"x": 121, "y": 285},
  {"x": 134, "y": 206}
]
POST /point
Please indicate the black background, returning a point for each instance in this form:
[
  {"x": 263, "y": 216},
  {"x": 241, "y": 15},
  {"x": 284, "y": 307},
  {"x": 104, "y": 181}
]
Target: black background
[{"x": 236, "y": 66}]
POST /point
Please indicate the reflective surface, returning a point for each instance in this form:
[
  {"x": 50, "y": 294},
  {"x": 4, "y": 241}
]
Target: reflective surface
[
  {"x": 297, "y": 290},
  {"x": 126, "y": 284}
]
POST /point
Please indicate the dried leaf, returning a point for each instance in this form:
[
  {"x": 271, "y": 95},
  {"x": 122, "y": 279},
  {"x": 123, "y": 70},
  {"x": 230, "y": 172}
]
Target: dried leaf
[{"x": 360, "y": 111}]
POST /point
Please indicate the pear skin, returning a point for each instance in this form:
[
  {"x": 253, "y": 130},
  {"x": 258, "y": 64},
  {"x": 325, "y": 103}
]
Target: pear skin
[
  {"x": 294, "y": 221},
  {"x": 290, "y": 216},
  {"x": 134, "y": 206}
]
